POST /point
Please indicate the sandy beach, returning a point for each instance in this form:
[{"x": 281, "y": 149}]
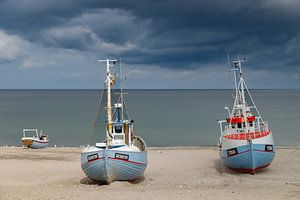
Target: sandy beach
[{"x": 172, "y": 173}]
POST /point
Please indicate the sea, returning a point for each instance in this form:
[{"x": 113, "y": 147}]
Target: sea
[{"x": 162, "y": 117}]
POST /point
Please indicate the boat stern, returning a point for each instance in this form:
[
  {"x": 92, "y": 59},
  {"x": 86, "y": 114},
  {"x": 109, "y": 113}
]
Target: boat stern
[{"x": 27, "y": 142}]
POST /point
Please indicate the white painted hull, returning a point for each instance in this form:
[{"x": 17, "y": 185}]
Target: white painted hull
[{"x": 34, "y": 143}]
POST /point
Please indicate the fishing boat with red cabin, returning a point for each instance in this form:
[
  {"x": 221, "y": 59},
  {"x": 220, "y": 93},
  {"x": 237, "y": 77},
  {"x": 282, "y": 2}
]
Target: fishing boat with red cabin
[
  {"x": 246, "y": 142},
  {"x": 122, "y": 156}
]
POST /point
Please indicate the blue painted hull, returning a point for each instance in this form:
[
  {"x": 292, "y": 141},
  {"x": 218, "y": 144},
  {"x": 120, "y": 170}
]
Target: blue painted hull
[
  {"x": 248, "y": 158},
  {"x": 38, "y": 145},
  {"x": 108, "y": 165}
]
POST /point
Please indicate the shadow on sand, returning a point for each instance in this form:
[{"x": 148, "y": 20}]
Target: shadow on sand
[
  {"x": 138, "y": 180},
  {"x": 87, "y": 181},
  {"x": 221, "y": 169}
]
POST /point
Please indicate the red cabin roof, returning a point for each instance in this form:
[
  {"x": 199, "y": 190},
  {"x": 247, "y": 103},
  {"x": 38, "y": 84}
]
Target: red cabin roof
[{"x": 233, "y": 120}]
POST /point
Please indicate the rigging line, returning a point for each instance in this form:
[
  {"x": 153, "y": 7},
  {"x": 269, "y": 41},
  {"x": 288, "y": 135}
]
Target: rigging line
[
  {"x": 254, "y": 104},
  {"x": 116, "y": 100},
  {"x": 124, "y": 104},
  {"x": 236, "y": 100},
  {"x": 115, "y": 110},
  {"x": 95, "y": 124},
  {"x": 121, "y": 83},
  {"x": 125, "y": 111},
  {"x": 115, "y": 97},
  {"x": 125, "y": 108},
  {"x": 234, "y": 73},
  {"x": 122, "y": 94},
  {"x": 99, "y": 106},
  {"x": 93, "y": 139}
]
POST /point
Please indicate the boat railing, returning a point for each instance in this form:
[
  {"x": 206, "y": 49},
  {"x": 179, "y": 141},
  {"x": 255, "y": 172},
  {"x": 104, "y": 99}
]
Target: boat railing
[
  {"x": 29, "y": 130},
  {"x": 221, "y": 123},
  {"x": 259, "y": 127},
  {"x": 139, "y": 143}
]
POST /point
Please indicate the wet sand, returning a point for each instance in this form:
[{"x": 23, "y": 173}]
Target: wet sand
[{"x": 172, "y": 173}]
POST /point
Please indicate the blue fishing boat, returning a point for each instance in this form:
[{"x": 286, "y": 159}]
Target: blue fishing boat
[
  {"x": 36, "y": 141},
  {"x": 246, "y": 142},
  {"x": 122, "y": 156}
]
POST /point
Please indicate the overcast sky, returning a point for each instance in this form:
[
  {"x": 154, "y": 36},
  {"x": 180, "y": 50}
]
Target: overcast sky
[{"x": 163, "y": 44}]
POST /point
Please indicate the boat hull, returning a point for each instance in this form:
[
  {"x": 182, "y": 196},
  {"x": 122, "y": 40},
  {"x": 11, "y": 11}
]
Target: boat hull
[
  {"x": 34, "y": 143},
  {"x": 248, "y": 155},
  {"x": 111, "y": 164}
]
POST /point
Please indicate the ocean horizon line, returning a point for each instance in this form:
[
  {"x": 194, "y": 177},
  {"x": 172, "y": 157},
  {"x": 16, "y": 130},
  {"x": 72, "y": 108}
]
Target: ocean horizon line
[
  {"x": 137, "y": 89},
  {"x": 158, "y": 147}
]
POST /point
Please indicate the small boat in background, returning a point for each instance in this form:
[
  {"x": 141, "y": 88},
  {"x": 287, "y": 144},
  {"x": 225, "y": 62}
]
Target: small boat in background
[
  {"x": 122, "y": 156},
  {"x": 246, "y": 142},
  {"x": 37, "y": 140}
]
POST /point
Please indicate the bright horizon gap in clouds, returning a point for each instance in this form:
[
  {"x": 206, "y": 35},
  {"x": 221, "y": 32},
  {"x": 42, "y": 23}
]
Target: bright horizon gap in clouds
[{"x": 163, "y": 45}]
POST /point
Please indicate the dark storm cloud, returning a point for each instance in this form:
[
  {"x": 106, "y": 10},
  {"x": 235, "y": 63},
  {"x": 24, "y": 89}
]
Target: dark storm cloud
[{"x": 170, "y": 33}]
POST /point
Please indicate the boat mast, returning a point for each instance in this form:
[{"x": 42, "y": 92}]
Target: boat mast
[
  {"x": 109, "y": 81},
  {"x": 236, "y": 88},
  {"x": 122, "y": 97},
  {"x": 234, "y": 74},
  {"x": 238, "y": 64}
]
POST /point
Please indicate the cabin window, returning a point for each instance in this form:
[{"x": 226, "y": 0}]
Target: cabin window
[
  {"x": 42, "y": 137},
  {"x": 118, "y": 129},
  {"x": 239, "y": 125},
  {"x": 250, "y": 124},
  {"x": 244, "y": 124},
  {"x": 233, "y": 126},
  {"x": 118, "y": 137}
]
